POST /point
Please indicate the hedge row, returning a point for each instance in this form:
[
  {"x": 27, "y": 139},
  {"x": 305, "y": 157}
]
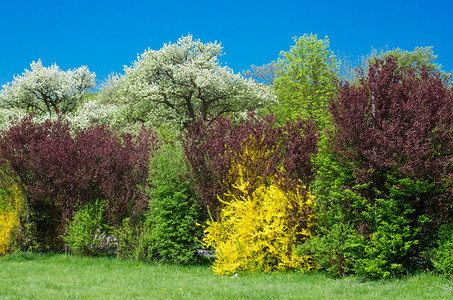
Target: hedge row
[{"x": 370, "y": 194}]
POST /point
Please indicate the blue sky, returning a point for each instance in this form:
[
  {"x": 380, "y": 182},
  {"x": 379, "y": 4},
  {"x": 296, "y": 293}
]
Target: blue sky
[{"x": 106, "y": 35}]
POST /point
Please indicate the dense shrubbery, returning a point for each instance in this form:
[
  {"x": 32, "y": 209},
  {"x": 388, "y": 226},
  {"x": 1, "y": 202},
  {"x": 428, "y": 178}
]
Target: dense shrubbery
[
  {"x": 370, "y": 193},
  {"x": 128, "y": 237},
  {"x": 261, "y": 222},
  {"x": 172, "y": 223},
  {"x": 59, "y": 169},
  {"x": 384, "y": 170},
  {"x": 442, "y": 255},
  {"x": 250, "y": 177},
  {"x": 87, "y": 233},
  {"x": 210, "y": 148},
  {"x": 170, "y": 231}
]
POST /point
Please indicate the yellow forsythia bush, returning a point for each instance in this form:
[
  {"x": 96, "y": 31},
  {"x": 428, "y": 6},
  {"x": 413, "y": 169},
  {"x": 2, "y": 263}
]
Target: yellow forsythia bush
[
  {"x": 10, "y": 208},
  {"x": 254, "y": 231}
]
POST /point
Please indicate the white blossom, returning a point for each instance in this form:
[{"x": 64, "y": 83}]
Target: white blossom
[
  {"x": 181, "y": 82},
  {"x": 48, "y": 90},
  {"x": 9, "y": 116}
]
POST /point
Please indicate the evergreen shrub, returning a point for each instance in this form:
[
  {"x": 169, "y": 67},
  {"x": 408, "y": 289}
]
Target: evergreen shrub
[
  {"x": 171, "y": 232},
  {"x": 443, "y": 253}
]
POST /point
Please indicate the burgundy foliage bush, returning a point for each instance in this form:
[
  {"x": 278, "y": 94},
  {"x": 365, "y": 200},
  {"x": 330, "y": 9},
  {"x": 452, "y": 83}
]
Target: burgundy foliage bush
[
  {"x": 397, "y": 121},
  {"x": 63, "y": 169},
  {"x": 210, "y": 149},
  {"x": 300, "y": 140}
]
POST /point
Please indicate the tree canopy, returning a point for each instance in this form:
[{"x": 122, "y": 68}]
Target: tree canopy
[
  {"x": 265, "y": 74},
  {"x": 182, "y": 82},
  {"x": 305, "y": 79},
  {"x": 418, "y": 59},
  {"x": 48, "y": 90}
]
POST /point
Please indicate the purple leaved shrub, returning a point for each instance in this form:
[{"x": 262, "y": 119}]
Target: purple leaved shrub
[
  {"x": 384, "y": 172},
  {"x": 397, "y": 121},
  {"x": 58, "y": 170},
  {"x": 212, "y": 147}
]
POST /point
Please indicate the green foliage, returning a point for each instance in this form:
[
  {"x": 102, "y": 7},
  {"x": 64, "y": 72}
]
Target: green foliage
[
  {"x": 443, "y": 254},
  {"x": 86, "y": 233},
  {"x": 127, "y": 237},
  {"x": 305, "y": 80},
  {"x": 173, "y": 218},
  {"x": 332, "y": 249},
  {"x": 171, "y": 233},
  {"x": 393, "y": 238},
  {"x": 420, "y": 57},
  {"x": 335, "y": 236},
  {"x": 372, "y": 231}
]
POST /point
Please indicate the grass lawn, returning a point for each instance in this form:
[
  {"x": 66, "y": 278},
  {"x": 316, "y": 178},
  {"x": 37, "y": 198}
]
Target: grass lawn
[{"x": 57, "y": 276}]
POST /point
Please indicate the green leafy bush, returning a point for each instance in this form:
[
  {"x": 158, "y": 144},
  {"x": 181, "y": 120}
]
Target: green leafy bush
[
  {"x": 170, "y": 232},
  {"x": 87, "y": 233},
  {"x": 127, "y": 239},
  {"x": 173, "y": 219},
  {"x": 443, "y": 254},
  {"x": 373, "y": 232},
  {"x": 333, "y": 249},
  {"x": 332, "y": 245}
]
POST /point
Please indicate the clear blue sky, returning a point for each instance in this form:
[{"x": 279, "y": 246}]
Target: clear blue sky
[{"x": 106, "y": 35}]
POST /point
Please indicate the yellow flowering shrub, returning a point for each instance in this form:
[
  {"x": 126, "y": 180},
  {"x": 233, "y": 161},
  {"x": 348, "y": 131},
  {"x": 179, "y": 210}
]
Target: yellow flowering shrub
[
  {"x": 252, "y": 164},
  {"x": 255, "y": 231},
  {"x": 10, "y": 208}
]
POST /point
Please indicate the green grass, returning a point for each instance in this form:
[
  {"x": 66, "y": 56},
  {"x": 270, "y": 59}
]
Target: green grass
[{"x": 56, "y": 276}]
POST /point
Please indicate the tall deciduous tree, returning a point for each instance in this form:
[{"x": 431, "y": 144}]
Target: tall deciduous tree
[
  {"x": 419, "y": 58},
  {"x": 49, "y": 90},
  {"x": 265, "y": 74},
  {"x": 182, "y": 82},
  {"x": 305, "y": 81}
]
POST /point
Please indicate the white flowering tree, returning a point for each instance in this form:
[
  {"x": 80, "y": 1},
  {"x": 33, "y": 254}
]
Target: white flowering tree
[
  {"x": 47, "y": 91},
  {"x": 182, "y": 82}
]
